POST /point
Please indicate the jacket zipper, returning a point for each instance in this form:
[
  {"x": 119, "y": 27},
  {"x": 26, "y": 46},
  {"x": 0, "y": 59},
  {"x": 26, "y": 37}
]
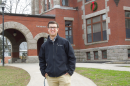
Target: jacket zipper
[
  {"x": 53, "y": 58},
  {"x": 56, "y": 48}
]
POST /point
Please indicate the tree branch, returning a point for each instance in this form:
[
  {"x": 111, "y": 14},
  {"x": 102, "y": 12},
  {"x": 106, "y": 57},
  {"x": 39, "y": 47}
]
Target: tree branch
[
  {"x": 17, "y": 2},
  {"x": 26, "y": 7}
]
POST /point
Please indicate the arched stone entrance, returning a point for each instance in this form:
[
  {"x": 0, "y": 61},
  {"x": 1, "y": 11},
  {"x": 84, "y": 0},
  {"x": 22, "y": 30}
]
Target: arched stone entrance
[
  {"x": 41, "y": 38},
  {"x": 9, "y": 26},
  {"x": 32, "y": 50},
  {"x": 33, "y": 58},
  {"x": 15, "y": 41}
]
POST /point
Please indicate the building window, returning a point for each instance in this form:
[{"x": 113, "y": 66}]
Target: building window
[
  {"x": 127, "y": 24},
  {"x": 104, "y": 54},
  {"x": 95, "y": 54},
  {"x": 9, "y": 54},
  {"x": 128, "y": 53},
  {"x": 45, "y": 2},
  {"x": 88, "y": 56},
  {"x": 68, "y": 31},
  {"x": 96, "y": 29},
  {"x": 65, "y": 3},
  {"x": 87, "y": 0},
  {"x": 49, "y": 4}
]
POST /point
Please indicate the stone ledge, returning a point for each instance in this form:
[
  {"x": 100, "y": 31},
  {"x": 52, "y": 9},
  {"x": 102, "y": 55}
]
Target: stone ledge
[
  {"x": 126, "y": 8},
  {"x": 69, "y": 18},
  {"x": 96, "y": 42},
  {"x": 119, "y": 62},
  {"x": 32, "y": 59}
]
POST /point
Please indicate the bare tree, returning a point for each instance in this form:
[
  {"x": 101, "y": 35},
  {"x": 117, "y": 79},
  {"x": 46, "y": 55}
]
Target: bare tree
[
  {"x": 23, "y": 46},
  {"x": 17, "y": 2},
  {"x": 1, "y": 47},
  {"x": 7, "y": 45},
  {"x": 18, "y": 6},
  {"x": 1, "y": 54}
]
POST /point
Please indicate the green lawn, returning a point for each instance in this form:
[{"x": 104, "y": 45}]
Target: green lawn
[
  {"x": 125, "y": 66},
  {"x": 105, "y": 77},
  {"x": 12, "y": 76}
]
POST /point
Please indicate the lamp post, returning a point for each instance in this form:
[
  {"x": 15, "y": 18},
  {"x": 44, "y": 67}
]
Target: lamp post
[{"x": 3, "y": 6}]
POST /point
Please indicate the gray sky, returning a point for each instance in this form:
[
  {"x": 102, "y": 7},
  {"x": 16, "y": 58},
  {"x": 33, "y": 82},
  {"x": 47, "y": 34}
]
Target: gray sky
[{"x": 22, "y": 4}]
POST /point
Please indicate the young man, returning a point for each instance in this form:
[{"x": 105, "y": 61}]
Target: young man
[{"x": 56, "y": 58}]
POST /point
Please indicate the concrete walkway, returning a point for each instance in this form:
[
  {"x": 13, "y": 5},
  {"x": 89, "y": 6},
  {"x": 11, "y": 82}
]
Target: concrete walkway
[
  {"x": 105, "y": 66},
  {"x": 38, "y": 80},
  {"x": 76, "y": 79}
]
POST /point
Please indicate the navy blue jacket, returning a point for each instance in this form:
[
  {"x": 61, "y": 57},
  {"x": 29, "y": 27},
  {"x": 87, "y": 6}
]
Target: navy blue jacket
[{"x": 56, "y": 58}]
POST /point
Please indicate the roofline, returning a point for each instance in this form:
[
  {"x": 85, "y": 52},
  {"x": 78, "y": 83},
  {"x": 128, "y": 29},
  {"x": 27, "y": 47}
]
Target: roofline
[{"x": 28, "y": 15}]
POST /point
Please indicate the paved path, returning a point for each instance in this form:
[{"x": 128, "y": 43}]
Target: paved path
[
  {"x": 38, "y": 80},
  {"x": 105, "y": 66},
  {"x": 77, "y": 80}
]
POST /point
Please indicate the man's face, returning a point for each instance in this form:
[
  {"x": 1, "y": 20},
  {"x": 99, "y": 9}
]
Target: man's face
[{"x": 53, "y": 30}]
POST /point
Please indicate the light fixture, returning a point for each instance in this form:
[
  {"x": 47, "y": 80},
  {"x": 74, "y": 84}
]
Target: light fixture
[
  {"x": 14, "y": 33},
  {"x": 2, "y": 4}
]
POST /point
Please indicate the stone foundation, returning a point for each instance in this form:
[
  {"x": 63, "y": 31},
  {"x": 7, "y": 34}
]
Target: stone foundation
[
  {"x": 13, "y": 60},
  {"x": 114, "y": 53},
  {"x": 32, "y": 59}
]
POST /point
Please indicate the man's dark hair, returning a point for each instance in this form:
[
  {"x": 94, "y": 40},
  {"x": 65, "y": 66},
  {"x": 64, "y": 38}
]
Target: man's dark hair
[{"x": 53, "y": 22}]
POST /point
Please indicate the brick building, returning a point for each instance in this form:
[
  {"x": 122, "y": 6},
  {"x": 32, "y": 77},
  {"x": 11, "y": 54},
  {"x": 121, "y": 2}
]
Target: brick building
[{"x": 97, "y": 29}]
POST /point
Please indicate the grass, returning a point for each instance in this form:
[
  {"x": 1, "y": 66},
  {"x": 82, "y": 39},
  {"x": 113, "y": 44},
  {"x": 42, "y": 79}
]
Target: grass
[
  {"x": 105, "y": 77},
  {"x": 12, "y": 76},
  {"x": 125, "y": 66}
]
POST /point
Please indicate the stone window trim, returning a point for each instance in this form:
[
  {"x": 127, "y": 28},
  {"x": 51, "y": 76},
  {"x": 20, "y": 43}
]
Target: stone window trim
[
  {"x": 84, "y": 17},
  {"x": 126, "y": 8},
  {"x": 95, "y": 55},
  {"x": 68, "y": 18},
  {"x": 58, "y": 7},
  {"x": 99, "y": 42},
  {"x": 63, "y": 7},
  {"x": 102, "y": 54},
  {"x": 87, "y": 55},
  {"x": 89, "y": 2},
  {"x": 96, "y": 13},
  {"x": 127, "y": 39}
]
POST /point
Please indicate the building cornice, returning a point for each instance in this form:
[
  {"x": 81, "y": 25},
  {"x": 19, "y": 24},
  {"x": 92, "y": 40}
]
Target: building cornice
[
  {"x": 59, "y": 7},
  {"x": 28, "y": 15}
]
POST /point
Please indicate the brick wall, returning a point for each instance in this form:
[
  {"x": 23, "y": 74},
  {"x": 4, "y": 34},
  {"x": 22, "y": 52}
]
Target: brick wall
[
  {"x": 60, "y": 14},
  {"x": 116, "y": 25},
  {"x": 6, "y": 59},
  {"x": 31, "y": 23},
  {"x": 100, "y": 3}
]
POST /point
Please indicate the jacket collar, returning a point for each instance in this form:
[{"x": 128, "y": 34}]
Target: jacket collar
[{"x": 56, "y": 38}]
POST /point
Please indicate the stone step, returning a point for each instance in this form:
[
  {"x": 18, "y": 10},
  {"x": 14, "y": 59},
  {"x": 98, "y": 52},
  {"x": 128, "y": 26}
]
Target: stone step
[{"x": 18, "y": 61}]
